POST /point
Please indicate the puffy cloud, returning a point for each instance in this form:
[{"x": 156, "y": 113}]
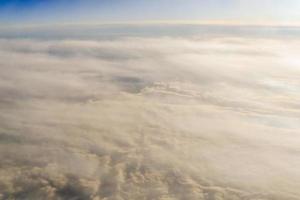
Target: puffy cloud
[{"x": 150, "y": 118}]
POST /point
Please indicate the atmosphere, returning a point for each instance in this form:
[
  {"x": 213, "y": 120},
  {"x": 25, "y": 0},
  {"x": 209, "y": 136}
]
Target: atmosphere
[{"x": 96, "y": 11}]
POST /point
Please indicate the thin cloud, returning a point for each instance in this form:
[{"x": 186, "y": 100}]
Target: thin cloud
[{"x": 173, "y": 118}]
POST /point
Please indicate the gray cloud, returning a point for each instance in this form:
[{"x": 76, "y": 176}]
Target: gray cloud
[{"x": 149, "y": 118}]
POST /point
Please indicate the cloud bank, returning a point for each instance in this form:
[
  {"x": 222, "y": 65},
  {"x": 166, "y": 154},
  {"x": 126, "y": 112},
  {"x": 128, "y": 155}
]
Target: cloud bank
[{"x": 150, "y": 118}]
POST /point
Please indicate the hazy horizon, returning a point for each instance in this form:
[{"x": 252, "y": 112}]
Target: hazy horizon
[{"x": 87, "y": 11}]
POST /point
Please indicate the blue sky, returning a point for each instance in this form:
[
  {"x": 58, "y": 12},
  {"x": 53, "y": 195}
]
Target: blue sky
[{"x": 87, "y": 11}]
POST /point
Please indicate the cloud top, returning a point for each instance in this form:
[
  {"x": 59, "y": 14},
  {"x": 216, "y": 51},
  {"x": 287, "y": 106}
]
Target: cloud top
[{"x": 150, "y": 118}]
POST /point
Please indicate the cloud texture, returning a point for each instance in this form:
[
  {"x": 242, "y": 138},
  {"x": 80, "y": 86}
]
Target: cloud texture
[{"x": 150, "y": 118}]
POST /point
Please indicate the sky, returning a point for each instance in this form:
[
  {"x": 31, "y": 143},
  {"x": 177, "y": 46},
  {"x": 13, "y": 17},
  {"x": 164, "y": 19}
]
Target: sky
[{"x": 101, "y": 11}]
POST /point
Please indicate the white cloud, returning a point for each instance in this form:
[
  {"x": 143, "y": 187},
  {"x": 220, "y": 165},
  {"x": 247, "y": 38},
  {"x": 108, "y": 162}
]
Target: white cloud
[{"x": 149, "y": 118}]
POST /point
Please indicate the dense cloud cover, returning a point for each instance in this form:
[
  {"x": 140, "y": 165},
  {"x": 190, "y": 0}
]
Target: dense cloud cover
[{"x": 150, "y": 118}]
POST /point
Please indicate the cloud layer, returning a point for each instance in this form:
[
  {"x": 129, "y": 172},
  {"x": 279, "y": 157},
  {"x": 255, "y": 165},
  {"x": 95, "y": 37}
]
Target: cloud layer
[{"x": 150, "y": 118}]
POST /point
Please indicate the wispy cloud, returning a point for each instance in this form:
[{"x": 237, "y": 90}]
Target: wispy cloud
[{"x": 150, "y": 117}]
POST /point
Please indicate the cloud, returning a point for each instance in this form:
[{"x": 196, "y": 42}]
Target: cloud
[{"x": 149, "y": 118}]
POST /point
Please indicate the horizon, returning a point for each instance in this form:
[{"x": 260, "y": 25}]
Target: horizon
[{"x": 80, "y": 11}]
